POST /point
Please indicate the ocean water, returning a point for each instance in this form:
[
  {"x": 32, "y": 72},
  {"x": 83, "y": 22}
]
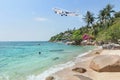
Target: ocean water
[{"x": 31, "y": 60}]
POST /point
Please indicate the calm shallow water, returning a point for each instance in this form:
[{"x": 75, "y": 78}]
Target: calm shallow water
[{"x": 18, "y": 60}]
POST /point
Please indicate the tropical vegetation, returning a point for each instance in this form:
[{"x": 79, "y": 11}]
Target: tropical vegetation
[{"x": 104, "y": 27}]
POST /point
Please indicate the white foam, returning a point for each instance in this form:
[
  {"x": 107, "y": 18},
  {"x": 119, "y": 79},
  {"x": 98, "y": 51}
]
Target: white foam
[
  {"x": 56, "y": 68},
  {"x": 81, "y": 55},
  {"x": 50, "y": 71},
  {"x": 4, "y": 77},
  {"x": 86, "y": 53}
]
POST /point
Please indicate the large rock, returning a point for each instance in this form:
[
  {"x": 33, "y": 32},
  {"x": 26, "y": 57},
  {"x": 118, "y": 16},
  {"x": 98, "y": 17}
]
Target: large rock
[
  {"x": 80, "y": 70},
  {"x": 50, "y": 78},
  {"x": 106, "y": 63}
]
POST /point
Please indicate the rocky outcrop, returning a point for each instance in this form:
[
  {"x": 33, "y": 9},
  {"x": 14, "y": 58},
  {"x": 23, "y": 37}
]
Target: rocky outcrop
[
  {"x": 106, "y": 63},
  {"x": 111, "y": 46},
  {"x": 80, "y": 70},
  {"x": 50, "y": 78},
  {"x": 88, "y": 42},
  {"x": 118, "y": 41},
  {"x": 70, "y": 43}
]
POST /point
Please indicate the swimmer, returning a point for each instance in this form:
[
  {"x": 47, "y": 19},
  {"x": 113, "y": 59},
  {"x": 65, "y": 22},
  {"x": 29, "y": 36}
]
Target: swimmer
[{"x": 39, "y": 53}]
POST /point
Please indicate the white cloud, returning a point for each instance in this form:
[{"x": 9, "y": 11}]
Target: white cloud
[{"x": 40, "y": 19}]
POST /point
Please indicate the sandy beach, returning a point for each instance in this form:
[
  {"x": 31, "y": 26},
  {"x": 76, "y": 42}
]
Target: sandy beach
[{"x": 84, "y": 61}]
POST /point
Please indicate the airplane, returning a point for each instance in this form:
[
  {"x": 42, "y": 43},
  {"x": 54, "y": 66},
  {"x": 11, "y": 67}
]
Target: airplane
[{"x": 64, "y": 12}]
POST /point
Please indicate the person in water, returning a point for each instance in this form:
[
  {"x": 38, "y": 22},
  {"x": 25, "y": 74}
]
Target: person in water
[{"x": 39, "y": 53}]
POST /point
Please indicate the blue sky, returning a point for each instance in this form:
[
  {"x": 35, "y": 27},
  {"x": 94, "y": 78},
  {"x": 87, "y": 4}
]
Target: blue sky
[{"x": 34, "y": 20}]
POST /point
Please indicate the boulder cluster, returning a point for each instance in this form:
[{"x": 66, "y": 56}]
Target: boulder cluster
[
  {"x": 111, "y": 46},
  {"x": 106, "y": 63}
]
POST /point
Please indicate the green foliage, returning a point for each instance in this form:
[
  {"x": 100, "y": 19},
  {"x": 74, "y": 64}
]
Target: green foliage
[
  {"x": 117, "y": 14},
  {"x": 107, "y": 27},
  {"x": 114, "y": 31},
  {"x": 76, "y": 36},
  {"x": 110, "y": 34},
  {"x": 89, "y": 18}
]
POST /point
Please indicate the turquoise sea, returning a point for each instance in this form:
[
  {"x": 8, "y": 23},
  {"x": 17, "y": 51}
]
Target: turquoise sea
[{"x": 28, "y": 60}]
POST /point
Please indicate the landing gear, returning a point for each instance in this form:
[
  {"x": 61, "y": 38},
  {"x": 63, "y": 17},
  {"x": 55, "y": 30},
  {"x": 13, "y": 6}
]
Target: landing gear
[{"x": 65, "y": 14}]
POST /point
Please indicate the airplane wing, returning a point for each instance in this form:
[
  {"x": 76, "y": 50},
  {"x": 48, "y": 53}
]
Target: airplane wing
[{"x": 73, "y": 14}]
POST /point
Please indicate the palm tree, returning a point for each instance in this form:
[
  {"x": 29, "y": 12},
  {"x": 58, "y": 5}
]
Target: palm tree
[
  {"x": 102, "y": 16},
  {"x": 89, "y": 18},
  {"x": 109, "y": 11},
  {"x": 105, "y": 16}
]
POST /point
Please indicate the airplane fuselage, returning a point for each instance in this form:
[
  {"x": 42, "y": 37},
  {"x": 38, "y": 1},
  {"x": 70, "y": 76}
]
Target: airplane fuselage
[{"x": 64, "y": 13}]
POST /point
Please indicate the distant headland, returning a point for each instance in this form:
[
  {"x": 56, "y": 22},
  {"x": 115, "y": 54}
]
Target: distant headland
[{"x": 103, "y": 28}]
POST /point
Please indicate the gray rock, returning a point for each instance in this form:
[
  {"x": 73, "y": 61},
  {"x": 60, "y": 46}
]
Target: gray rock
[
  {"x": 70, "y": 43},
  {"x": 106, "y": 63},
  {"x": 111, "y": 46}
]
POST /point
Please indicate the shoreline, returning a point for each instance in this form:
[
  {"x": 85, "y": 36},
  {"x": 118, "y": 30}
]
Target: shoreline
[
  {"x": 60, "y": 67},
  {"x": 84, "y": 62},
  {"x": 80, "y": 58}
]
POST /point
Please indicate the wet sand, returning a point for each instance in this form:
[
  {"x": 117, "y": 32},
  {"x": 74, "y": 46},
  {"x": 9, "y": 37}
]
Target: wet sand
[{"x": 84, "y": 61}]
